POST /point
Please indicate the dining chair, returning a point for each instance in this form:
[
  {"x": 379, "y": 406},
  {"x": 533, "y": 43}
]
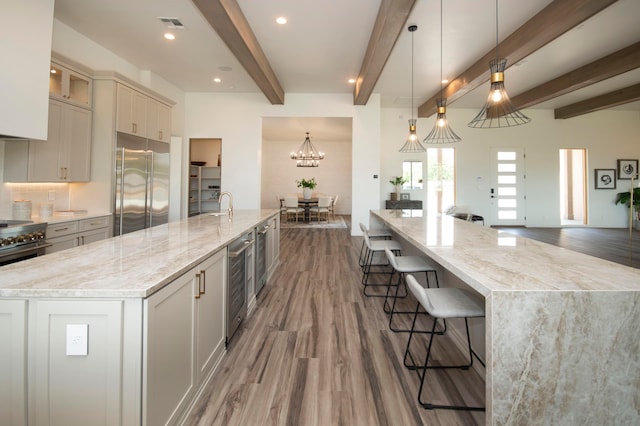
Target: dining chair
[
  {"x": 332, "y": 207},
  {"x": 321, "y": 209},
  {"x": 283, "y": 209},
  {"x": 291, "y": 204}
]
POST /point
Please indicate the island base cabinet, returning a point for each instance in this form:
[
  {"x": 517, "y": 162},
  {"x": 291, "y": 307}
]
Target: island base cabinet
[
  {"x": 98, "y": 387},
  {"x": 185, "y": 340},
  {"x": 13, "y": 369}
]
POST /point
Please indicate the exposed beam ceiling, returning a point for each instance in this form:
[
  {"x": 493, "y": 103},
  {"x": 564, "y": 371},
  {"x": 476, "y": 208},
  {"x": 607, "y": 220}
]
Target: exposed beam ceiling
[
  {"x": 617, "y": 63},
  {"x": 390, "y": 22},
  {"x": 227, "y": 19},
  {"x": 608, "y": 100},
  {"x": 550, "y": 23}
]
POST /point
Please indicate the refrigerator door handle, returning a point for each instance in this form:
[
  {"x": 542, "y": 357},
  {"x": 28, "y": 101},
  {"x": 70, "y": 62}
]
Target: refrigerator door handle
[
  {"x": 121, "y": 189},
  {"x": 151, "y": 160}
]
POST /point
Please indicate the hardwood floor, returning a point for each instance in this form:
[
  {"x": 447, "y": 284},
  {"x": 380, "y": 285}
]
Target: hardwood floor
[
  {"x": 316, "y": 351},
  {"x": 607, "y": 243}
]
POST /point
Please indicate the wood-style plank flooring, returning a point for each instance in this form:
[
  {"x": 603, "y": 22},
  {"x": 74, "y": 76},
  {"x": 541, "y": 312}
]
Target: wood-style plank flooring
[
  {"x": 611, "y": 244},
  {"x": 316, "y": 351}
]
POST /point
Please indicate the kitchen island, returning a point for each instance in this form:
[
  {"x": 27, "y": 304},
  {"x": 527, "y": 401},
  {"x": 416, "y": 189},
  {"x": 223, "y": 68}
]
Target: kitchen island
[
  {"x": 562, "y": 333},
  {"x": 146, "y": 311}
]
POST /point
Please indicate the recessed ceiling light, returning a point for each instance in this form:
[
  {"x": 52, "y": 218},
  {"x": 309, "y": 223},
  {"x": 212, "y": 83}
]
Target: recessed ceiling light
[
  {"x": 445, "y": 81},
  {"x": 352, "y": 80},
  {"x": 217, "y": 80},
  {"x": 281, "y": 20},
  {"x": 169, "y": 36},
  {"x": 53, "y": 71}
]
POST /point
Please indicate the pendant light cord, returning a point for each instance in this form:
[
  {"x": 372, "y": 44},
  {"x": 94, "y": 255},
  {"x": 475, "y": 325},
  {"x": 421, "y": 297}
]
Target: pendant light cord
[
  {"x": 497, "y": 53},
  {"x": 441, "y": 83},
  {"x": 412, "y": 74}
]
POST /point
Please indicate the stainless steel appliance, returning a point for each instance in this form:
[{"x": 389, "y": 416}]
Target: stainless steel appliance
[
  {"x": 261, "y": 255},
  {"x": 239, "y": 274},
  {"x": 21, "y": 239},
  {"x": 142, "y": 184}
]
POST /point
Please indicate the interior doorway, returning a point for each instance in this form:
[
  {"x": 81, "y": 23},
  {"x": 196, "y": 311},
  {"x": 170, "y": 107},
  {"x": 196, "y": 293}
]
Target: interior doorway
[
  {"x": 573, "y": 186},
  {"x": 205, "y": 175}
]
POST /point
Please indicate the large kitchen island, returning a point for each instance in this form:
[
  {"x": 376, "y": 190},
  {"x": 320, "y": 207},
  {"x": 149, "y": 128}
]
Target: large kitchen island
[
  {"x": 562, "y": 329},
  {"x": 126, "y": 330}
]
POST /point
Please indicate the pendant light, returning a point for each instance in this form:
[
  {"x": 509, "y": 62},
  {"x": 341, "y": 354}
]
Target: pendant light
[
  {"x": 441, "y": 132},
  {"x": 498, "y": 111},
  {"x": 307, "y": 155},
  {"x": 413, "y": 143}
]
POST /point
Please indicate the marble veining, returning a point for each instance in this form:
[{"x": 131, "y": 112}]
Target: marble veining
[
  {"x": 133, "y": 265},
  {"x": 562, "y": 336}
]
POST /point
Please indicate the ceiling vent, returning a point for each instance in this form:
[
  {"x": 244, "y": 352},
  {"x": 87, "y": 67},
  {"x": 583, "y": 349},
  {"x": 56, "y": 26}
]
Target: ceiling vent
[{"x": 173, "y": 23}]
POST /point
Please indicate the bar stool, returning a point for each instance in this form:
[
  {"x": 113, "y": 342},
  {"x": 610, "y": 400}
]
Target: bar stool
[
  {"x": 374, "y": 233},
  {"x": 404, "y": 265},
  {"x": 441, "y": 303},
  {"x": 374, "y": 247}
]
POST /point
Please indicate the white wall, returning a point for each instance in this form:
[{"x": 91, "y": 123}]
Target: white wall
[
  {"x": 606, "y": 135},
  {"x": 236, "y": 119},
  {"x": 279, "y": 172}
]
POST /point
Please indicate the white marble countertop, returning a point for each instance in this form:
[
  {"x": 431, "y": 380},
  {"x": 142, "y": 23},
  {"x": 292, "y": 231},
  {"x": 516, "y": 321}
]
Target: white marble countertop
[
  {"x": 489, "y": 260},
  {"x": 133, "y": 265}
]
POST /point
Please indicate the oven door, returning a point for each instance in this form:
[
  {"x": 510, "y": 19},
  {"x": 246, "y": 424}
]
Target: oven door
[{"x": 22, "y": 252}]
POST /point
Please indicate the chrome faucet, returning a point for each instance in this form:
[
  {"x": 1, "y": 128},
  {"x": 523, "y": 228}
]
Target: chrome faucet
[{"x": 230, "y": 201}]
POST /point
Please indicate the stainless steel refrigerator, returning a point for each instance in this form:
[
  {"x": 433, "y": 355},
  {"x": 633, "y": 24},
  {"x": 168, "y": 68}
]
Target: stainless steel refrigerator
[{"x": 142, "y": 183}]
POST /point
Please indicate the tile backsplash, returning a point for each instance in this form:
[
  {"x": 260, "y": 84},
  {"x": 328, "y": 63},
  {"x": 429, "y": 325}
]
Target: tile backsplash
[{"x": 37, "y": 193}]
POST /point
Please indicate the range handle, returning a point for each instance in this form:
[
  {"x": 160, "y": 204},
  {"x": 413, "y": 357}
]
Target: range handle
[{"x": 246, "y": 245}]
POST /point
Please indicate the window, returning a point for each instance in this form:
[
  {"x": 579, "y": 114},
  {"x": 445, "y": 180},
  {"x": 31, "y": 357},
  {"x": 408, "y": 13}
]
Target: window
[
  {"x": 440, "y": 179},
  {"x": 412, "y": 172}
]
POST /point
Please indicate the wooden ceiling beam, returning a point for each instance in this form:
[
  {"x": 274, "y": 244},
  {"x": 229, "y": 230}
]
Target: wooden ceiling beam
[
  {"x": 550, "y": 23},
  {"x": 617, "y": 63},
  {"x": 227, "y": 19},
  {"x": 597, "y": 103},
  {"x": 390, "y": 22}
]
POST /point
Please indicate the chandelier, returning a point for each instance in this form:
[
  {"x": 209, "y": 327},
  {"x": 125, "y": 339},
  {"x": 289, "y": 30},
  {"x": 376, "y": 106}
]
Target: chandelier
[
  {"x": 307, "y": 155},
  {"x": 498, "y": 111},
  {"x": 412, "y": 143}
]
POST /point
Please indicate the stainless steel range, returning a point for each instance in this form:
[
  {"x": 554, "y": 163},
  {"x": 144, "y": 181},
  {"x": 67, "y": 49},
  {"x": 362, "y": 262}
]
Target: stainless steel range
[{"x": 21, "y": 239}]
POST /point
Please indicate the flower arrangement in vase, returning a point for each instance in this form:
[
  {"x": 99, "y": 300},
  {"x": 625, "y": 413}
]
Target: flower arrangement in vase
[{"x": 307, "y": 185}]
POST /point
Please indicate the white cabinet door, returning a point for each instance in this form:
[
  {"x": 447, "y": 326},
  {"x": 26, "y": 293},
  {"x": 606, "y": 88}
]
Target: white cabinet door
[
  {"x": 76, "y": 389},
  {"x": 66, "y": 154},
  {"x": 88, "y": 237},
  {"x": 69, "y": 85},
  {"x": 158, "y": 121},
  {"x": 13, "y": 362},
  {"x": 167, "y": 372},
  {"x": 209, "y": 323},
  {"x": 131, "y": 107},
  {"x": 61, "y": 243}
]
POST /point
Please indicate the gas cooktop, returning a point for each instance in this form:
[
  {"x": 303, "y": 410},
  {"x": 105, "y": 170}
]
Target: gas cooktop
[{"x": 5, "y": 223}]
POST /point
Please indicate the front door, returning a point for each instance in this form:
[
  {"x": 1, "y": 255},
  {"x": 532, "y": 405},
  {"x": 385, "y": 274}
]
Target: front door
[{"x": 508, "y": 189}]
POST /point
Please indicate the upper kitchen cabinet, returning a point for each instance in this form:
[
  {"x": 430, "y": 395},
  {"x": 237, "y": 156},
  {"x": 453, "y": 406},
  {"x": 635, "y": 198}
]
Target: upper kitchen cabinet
[
  {"x": 132, "y": 111},
  {"x": 65, "y": 155},
  {"x": 69, "y": 85},
  {"x": 25, "y": 50},
  {"x": 158, "y": 121}
]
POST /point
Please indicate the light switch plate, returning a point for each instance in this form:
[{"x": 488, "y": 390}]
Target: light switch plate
[{"x": 78, "y": 339}]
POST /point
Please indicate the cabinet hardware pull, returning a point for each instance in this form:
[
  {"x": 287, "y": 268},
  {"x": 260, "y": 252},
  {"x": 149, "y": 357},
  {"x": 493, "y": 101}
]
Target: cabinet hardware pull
[
  {"x": 61, "y": 229},
  {"x": 160, "y": 134},
  {"x": 134, "y": 127},
  {"x": 198, "y": 293},
  {"x": 204, "y": 282}
]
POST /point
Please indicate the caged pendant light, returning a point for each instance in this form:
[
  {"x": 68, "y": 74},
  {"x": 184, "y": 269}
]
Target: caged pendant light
[
  {"x": 413, "y": 143},
  {"x": 441, "y": 132},
  {"x": 498, "y": 111},
  {"x": 307, "y": 155}
]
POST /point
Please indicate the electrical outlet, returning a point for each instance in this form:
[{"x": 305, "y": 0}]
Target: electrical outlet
[
  {"x": 52, "y": 195},
  {"x": 78, "y": 339}
]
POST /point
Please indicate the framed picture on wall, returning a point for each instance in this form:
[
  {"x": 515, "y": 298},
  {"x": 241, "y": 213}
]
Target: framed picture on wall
[
  {"x": 404, "y": 196},
  {"x": 605, "y": 179},
  {"x": 627, "y": 169}
]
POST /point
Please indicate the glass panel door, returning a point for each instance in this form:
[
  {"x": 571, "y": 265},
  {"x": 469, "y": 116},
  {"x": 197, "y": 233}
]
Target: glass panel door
[{"x": 507, "y": 193}]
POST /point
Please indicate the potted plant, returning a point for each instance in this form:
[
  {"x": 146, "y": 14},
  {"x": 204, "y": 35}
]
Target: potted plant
[
  {"x": 625, "y": 198},
  {"x": 397, "y": 182},
  {"x": 307, "y": 186}
]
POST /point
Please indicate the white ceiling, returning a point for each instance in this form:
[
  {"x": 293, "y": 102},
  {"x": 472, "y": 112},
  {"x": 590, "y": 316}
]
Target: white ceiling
[{"x": 324, "y": 43}]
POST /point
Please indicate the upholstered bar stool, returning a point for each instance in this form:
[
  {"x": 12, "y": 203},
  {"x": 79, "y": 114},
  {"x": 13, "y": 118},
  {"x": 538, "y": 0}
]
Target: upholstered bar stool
[
  {"x": 373, "y": 248},
  {"x": 441, "y": 303},
  {"x": 374, "y": 233},
  {"x": 403, "y": 265}
]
